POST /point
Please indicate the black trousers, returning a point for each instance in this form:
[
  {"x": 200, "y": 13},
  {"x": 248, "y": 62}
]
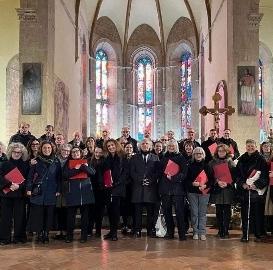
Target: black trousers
[
  {"x": 167, "y": 204},
  {"x": 60, "y": 218},
  {"x": 13, "y": 209},
  {"x": 71, "y": 218},
  {"x": 257, "y": 214},
  {"x": 223, "y": 216},
  {"x": 150, "y": 207},
  {"x": 113, "y": 211},
  {"x": 41, "y": 218},
  {"x": 96, "y": 212}
]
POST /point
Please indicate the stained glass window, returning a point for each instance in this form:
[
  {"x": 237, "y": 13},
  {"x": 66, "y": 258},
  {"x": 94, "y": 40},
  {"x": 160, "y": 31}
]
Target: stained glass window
[
  {"x": 101, "y": 91},
  {"x": 261, "y": 103},
  {"x": 144, "y": 84},
  {"x": 186, "y": 92}
]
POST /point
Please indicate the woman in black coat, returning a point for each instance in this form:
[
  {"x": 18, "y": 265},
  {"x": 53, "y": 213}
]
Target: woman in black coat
[
  {"x": 252, "y": 180},
  {"x": 223, "y": 192},
  {"x": 43, "y": 187},
  {"x": 12, "y": 195},
  {"x": 198, "y": 192},
  {"x": 114, "y": 163},
  {"x": 144, "y": 187},
  {"x": 78, "y": 192},
  {"x": 172, "y": 189}
]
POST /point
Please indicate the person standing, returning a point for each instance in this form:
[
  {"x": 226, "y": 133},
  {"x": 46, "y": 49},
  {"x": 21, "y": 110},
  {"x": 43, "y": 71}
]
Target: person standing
[
  {"x": 23, "y": 135},
  {"x": 12, "y": 195},
  {"x": 230, "y": 143},
  {"x": 211, "y": 141}
]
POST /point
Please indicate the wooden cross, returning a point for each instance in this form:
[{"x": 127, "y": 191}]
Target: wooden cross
[{"x": 217, "y": 111}]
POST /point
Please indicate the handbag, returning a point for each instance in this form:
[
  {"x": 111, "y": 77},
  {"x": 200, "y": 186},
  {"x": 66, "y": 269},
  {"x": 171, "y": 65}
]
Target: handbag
[
  {"x": 160, "y": 227},
  {"x": 36, "y": 189}
]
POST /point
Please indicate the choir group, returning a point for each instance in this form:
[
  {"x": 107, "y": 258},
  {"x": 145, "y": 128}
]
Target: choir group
[{"x": 45, "y": 181}]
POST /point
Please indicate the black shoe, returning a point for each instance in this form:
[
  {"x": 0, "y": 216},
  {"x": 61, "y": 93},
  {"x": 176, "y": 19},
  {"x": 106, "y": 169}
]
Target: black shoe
[
  {"x": 182, "y": 238},
  {"x": 98, "y": 234},
  {"x": 169, "y": 236},
  {"x": 19, "y": 241},
  {"x": 107, "y": 236},
  {"x": 59, "y": 237},
  {"x": 137, "y": 234},
  {"x": 258, "y": 239},
  {"x": 68, "y": 239},
  {"x": 83, "y": 240},
  {"x": 4, "y": 242},
  {"x": 45, "y": 238},
  {"x": 125, "y": 230},
  {"x": 244, "y": 239},
  {"x": 152, "y": 234},
  {"x": 39, "y": 238},
  {"x": 114, "y": 238}
]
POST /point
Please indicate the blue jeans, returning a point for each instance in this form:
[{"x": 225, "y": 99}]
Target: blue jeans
[{"x": 198, "y": 207}]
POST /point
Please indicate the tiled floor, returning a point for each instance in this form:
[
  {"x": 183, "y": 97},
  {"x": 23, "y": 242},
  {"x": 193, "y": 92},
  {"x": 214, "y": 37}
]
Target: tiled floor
[{"x": 144, "y": 253}]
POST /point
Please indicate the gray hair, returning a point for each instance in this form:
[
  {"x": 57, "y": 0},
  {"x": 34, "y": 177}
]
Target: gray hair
[
  {"x": 23, "y": 149},
  {"x": 65, "y": 146},
  {"x": 149, "y": 141},
  {"x": 173, "y": 142},
  {"x": 198, "y": 150}
]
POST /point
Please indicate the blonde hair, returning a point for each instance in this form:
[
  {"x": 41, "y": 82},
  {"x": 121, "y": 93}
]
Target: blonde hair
[
  {"x": 173, "y": 142},
  {"x": 198, "y": 150},
  {"x": 23, "y": 149}
]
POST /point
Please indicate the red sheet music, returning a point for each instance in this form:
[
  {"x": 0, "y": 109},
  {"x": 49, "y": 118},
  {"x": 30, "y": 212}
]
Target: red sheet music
[
  {"x": 252, "y": 173},
  {"x": 271, "y": 178},
  {"x": 222, "y": 172},
  {"x": 73, "y": 163},
  {"x": 203, "y": 179},
  {"x": 231, "y": 149},
  {"x": 14, "y": 176},
  {"x": 172, "y": 168},
  {"x": 107, "y": 179},
  {"x": 212, "y": 148}
]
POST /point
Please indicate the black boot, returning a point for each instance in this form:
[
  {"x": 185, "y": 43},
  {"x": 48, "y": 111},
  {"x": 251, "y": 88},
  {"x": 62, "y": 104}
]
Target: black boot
[
  {"x": 45, "y": 237},
  {"x": 39, "y": 237}
]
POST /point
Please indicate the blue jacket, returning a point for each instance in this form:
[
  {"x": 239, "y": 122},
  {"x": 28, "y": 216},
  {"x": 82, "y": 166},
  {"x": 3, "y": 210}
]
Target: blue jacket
[{"x": 49, "y": 175}]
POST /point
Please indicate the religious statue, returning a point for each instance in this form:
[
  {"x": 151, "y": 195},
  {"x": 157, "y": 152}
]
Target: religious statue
[{"x": 247, "y": 92}]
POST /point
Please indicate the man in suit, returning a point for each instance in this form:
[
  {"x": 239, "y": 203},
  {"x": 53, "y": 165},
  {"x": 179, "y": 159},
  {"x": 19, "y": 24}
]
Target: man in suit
[{"x": 144, "y": 186}]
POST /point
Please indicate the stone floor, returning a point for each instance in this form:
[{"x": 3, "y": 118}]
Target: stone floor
[{"x": 141, "y": 254}]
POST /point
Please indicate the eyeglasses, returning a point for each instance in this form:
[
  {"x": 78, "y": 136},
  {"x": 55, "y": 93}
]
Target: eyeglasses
[{"x": 17, "y": 152}]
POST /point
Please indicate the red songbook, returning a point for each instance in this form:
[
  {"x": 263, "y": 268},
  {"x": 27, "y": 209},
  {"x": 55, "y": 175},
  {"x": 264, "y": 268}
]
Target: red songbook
[
  {"x": 14, "y": 176},
  {"x": 212, "y": 148},
  {"x": 107, "y": 179},
  {"x": 231, "y": 149},
  {"x": 271, "y": 178},
  {"x": 252, "y": 173},
  {"x": 72, "y": 165},
  {"x": 202, "y": 178},
  {"x": 222, "y": 172},
  {"x": 172, "y": 168}
]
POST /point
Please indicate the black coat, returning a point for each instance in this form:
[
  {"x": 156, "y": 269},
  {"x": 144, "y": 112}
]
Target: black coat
[
  {"x": 81, "y": 145},
  {"x": 205, "y": 145},
  {"x": 176, "y": 185},
  {"x": 181, "y": 145},
  {"x": 21, "y": 138},
  {"x": 78, "y": 191},
  {"x": 193, "y": 171},
  {"x": 223, "y": 195},
  {"x": 230, "y": 142},
  {"x": 5, "y": 168},
  {"x": 140, "y": 170},
  {"x": 246, "y": 164},
  {"x": 119, "y": 172},
  {"x": 133, "y": 142},
  {"x": 49, "y": 175}
]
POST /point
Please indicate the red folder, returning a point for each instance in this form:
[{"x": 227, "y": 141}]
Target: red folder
[
  {"x": 252, "y": 173},
  {"x": 212, "y": 148},
  {"x": 202, "y": 178},
  {"x": 73, "y": 163},
  {"x": 14, "y": 176},
  {"x": 271, "y": 178},
  {"x": 231, "y": 149},
  {"x": 172, "y": 168},
  {"x": 222, "y": 172},
  {"x": 107, "y": 179}
]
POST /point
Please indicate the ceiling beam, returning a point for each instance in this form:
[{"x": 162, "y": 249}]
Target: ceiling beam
[
  {"x": 97, "y": 10},
  {"x": 194, "y": 25},
  {"x": 208, "y": 7},
  {"x": 127, "y": 23},
  {"x": 159, "y": 14}
]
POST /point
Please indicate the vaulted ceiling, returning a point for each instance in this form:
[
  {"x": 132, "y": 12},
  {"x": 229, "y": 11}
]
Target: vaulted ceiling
[{"x": 159, "y": 14}]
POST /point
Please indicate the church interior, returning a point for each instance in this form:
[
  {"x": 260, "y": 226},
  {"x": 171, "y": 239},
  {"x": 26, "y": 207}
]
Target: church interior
[{"x": 157, "y": 65}]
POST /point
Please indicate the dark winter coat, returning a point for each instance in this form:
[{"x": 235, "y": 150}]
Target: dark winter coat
[
  {"x": 78, "y": 191},
  {"x": 119, "y": 172},
  {"x": 231, "y": 142},
  {"x": 195, "y": 168},
  {"x": 246, "y": 164},
  {"x": 21, "y": 138},
  {"x": 175, "y": 185},
  {"x": 181, "y": 145},
  {"x": 223, "y": 195},
  {"x": 133, "y": 142},
  {"x": 48, "y": 173},
  {"x": 140, "y": 170},
  {"x": 205, "y": 145},
  {"x": 5, "y": 168}
]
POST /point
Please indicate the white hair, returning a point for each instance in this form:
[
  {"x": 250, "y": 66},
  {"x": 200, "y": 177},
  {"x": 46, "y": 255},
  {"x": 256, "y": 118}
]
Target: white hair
[{"x": 173, "y": 142}]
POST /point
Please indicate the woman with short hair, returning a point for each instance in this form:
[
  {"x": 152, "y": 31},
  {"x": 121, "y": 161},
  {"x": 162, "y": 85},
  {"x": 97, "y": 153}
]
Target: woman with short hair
[{"x": 12, "y": 194}]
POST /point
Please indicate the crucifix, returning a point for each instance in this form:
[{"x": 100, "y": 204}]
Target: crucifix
[{"x": 217, "y": 111}]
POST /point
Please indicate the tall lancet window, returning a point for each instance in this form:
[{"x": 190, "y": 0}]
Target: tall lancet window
[
  {"x": 101, "y": 91},
  {"x": 186, "y": 92},
  {"x": 145, "y": 93},
  {"x": 261, "y": 102}
]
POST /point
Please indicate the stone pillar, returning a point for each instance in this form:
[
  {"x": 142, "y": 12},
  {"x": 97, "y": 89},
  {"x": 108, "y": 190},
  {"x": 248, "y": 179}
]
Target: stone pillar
[
  {"x": 36, "y": 45},
  {"x": 243, "y": 50}
]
